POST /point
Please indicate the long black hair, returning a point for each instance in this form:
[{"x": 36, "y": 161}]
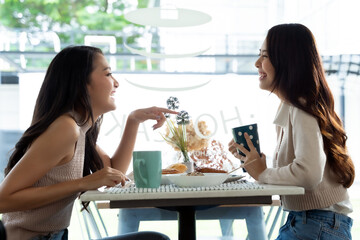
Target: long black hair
[
  {"x": 64, "y": 90},
  {"x": 300, "y": 79}
]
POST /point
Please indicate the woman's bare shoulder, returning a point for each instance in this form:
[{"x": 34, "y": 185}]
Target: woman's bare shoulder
[
  {"x": 56, "y": 145},
  {"x": 65, "y": 127}
]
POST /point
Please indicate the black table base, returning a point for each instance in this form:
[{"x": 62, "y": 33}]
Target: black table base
[
  {"x": 187, "y": 223},
  {"x": 187, "y": 208}
]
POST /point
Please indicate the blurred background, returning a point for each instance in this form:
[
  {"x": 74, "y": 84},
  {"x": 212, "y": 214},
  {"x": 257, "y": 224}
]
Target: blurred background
[{"x": 219, "y": 86}]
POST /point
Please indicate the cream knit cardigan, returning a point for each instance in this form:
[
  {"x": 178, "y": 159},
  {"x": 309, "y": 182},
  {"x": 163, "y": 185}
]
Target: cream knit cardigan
[{"x": 300, "y": 160}]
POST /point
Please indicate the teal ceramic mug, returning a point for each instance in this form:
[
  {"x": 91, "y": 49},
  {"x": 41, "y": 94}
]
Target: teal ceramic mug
[{"x": 147, "y": 169}]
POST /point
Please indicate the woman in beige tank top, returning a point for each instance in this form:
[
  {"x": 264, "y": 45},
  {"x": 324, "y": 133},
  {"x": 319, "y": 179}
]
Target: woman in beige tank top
[{"x": 57, "y": 157}]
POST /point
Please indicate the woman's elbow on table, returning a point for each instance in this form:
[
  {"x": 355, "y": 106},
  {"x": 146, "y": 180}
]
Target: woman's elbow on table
[
  {"x": 308, "y": 178},
  {"x": 290, "y": 175},
  {"x": 310, "y": 182},
  {"x": 9, "y": 202},
  {"x": 4, "y": 204}
]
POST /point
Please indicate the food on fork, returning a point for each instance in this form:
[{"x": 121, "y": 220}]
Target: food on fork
[
  {"x": 209, "y": 170},
  {"x": 175, "y": 168}
]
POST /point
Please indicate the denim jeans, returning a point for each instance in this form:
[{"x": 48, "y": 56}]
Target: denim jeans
[
  {"x": 316, "y": 224},
  {"x": 61, "y": 235}
]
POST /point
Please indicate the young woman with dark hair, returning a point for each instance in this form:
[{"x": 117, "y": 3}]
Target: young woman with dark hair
[
  {"x": 57, "y": 157},
  {"x": 311, "y": 148}
]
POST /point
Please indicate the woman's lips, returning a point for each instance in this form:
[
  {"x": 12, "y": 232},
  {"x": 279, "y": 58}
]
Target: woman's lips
[
  {"x": 262, "y": 75},
  {"x": 112, "y": 95}
]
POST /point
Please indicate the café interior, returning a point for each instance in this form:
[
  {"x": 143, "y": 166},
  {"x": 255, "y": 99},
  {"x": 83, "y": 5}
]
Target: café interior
[{"x": 206, "y": 60}]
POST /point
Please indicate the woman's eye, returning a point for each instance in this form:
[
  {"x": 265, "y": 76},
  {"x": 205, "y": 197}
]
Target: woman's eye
[{"x": 109, "y": 74}]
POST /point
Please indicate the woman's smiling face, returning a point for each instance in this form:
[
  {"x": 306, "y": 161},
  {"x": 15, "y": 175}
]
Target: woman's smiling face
[
  {"x": 265, "y": 68},
  {"x": 102, "y": 87}
]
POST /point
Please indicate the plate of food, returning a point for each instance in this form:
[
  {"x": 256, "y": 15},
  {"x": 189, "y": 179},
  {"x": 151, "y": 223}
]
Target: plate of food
[
  {"x": 173, "y": 169},
  {"x": 197, "y": 179}
]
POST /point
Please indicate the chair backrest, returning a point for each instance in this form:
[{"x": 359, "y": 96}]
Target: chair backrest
[
  {"x": 2, "y": 231},
  {"x": 8, "y": 139}
]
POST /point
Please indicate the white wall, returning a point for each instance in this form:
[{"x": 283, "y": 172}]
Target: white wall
[
  {"x": 333, "y": 22},
  {"x": 9, "y": 106}
]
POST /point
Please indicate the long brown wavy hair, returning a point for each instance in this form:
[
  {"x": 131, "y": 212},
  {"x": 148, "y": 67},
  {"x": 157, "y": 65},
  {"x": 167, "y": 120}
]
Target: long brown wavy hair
[
  {"x": 64, "y": 90},
  {"x": 300, "y": 79}
]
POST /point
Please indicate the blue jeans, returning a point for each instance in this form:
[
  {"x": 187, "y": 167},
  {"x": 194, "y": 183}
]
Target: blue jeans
[
  {"x": 61, "y": 235},
  {"x": 316, "y": 224}
]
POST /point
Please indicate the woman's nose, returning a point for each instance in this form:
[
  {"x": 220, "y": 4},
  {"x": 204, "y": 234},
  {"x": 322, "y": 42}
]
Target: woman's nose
[
  {"x": 257, "y": 63},
  {"x": 116, "y": 83}
]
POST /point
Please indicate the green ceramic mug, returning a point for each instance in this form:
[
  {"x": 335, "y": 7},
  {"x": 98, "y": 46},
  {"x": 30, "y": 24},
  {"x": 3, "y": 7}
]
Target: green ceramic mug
[{"x": 147, "y": 169}]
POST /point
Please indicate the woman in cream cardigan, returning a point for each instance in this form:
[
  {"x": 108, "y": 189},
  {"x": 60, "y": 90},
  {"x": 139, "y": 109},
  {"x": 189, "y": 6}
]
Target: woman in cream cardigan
[{"x": 311, "y": 142}]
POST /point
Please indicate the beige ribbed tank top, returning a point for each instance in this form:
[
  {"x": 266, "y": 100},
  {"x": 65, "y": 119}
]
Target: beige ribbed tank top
[{"x": 55, "y": 216}]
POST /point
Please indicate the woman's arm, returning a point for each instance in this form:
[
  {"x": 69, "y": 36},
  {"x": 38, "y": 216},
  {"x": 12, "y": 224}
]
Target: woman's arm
[
  {"x": 307, "y": 166},
  {"x": 53, "y": 148},
  {"x": 123, "y": 154}
]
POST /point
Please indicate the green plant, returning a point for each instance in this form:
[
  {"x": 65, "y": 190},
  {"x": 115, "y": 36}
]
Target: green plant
[
  {"x": 177, "y": 138},
  {"x": 176, "y": 135}
]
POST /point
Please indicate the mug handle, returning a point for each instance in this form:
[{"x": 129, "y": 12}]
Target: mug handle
[{"x": 137, "y": 165}]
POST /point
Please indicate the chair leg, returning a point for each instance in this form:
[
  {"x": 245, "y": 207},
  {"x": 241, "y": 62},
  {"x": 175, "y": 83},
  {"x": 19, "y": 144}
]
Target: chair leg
[
  {"x": 90, "y": 221},
  {"x": 101, "y": 220},
  {"x": 227, "y": 227},
  {"x": 81, "y": 222},
  {"x": 274, "y": 222},
  {"x": 284, "y": 215},
  {"x": 91, "y": 217},
  {"x": 269, "y": 214},
  {"x": 127, "y": 222},
  {"x": 255, "y": 224}
]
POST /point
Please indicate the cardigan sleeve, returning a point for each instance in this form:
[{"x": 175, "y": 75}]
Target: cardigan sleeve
[{"x": 301, "y": 158}]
